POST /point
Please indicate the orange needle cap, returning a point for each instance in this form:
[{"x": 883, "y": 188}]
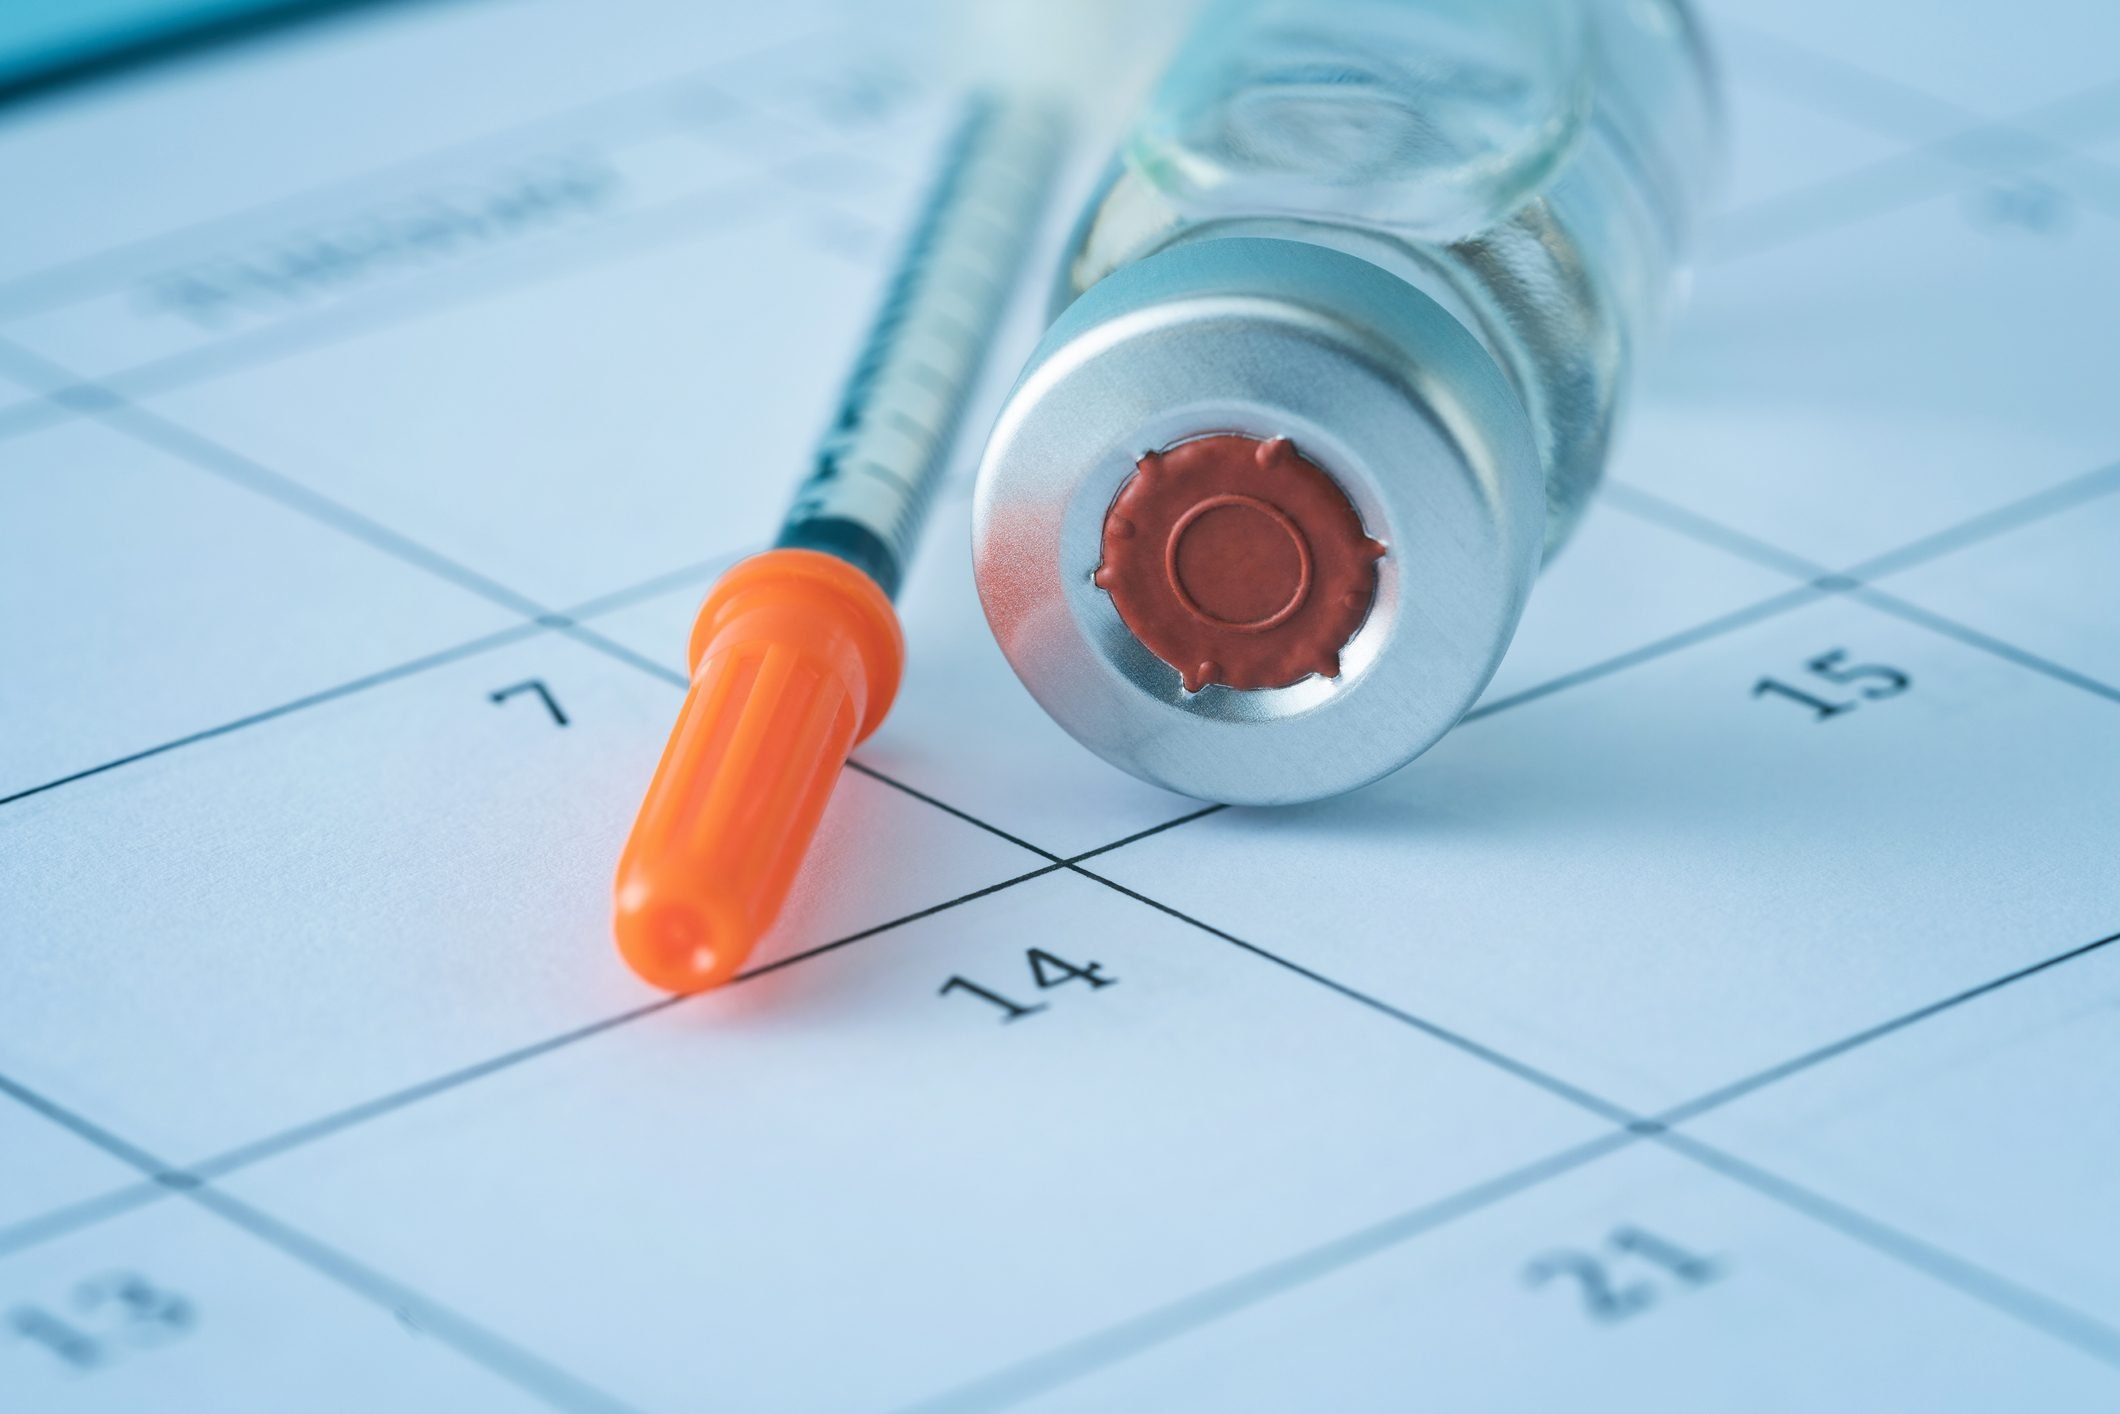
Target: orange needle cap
[{"x": 795, "y": 658}]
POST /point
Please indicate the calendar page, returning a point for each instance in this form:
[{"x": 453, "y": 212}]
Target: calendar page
[{"x": 1723, "y": 1017}]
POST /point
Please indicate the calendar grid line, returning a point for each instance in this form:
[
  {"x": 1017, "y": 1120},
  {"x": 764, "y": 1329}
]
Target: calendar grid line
[
  {"x": 38, "y": 413},
  {"x": 1897, "y": 182},
  {"x": 89, "y": 1132},
  {"x": 2041, "y": 1312},
  {"x": 235, "y": 469},
  {"x": 169, "y": 373},
  {"x": 1977, "y": 144},
  {"x": 471, "y": 1340},
  {"x": 2055, "y": 1318},
  {"x": 1685, "y": 1112},
  {"x": 1775, "y": 1074},
  {"x": 270, "y": 1146},
  {"x": 54, "y": 1223},
  {"x": 83, "y": 276},
  {"x": 2002, "y": 1294},
  {"x": 781, "y": 964},
  {"x": 275, "y": 1144},
  {"x": 1804, "y": 72},
  {"x": 2016, "y": 515},
  {"x": 1089, "y": 1354},
  {"x": 1530, "y": 1074},
  {"x": 1053, "y": 1368},
  {"x": 2044, "y": 504},
  {"x": 1729, "y": 541},
  {"x": 1887, "y": 106},
  {"x": 2007, "y": 1297},
  {"x": 1661, "y": 510},
  {"x": 611, "y": 648},
  {"x": 412, "y": 667},
  {"x": 1100, "y": 1349},
  {"x": 742, "y": 201},
  {"x": 1137, "y": 836},
  {"x": 243, "y": 471},
  {"x": 56, "y": 284},
  {"x": 970, "y": 819},
  {"x": 486, "y": 643},
  {"x": 1987, "y": 643},
  {"x": 559, "y": 621},
  {"x": 654, "y": 587},
  {"x": 1852, "y": 585},
  {"x": 58, "y": 1221},
  {"x": 70, "y": 1217},
  {"x": 1757, "y": 612},
  {"x": 751, "y": 197},
  {"x": 1631, "y": 500},
  {"x": 2011, "y": 1298},
  {"x": 528, "y": 1372},
  {"x": 2045, "y": 149}
]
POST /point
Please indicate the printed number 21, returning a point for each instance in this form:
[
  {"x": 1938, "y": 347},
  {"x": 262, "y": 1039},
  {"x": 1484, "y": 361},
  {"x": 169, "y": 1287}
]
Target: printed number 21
[
  {"x": 1605, "y": 1297},
  {"x": 1875, "y": 680}
]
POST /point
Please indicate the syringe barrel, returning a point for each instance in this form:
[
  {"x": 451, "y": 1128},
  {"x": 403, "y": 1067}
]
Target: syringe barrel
[
  {"x": 1421, "y": 239},
  {"x": 866, "y": 498}
]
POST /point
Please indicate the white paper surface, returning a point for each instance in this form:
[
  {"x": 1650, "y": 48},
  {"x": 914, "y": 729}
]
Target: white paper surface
[{"x": 1660, "y": 1041}]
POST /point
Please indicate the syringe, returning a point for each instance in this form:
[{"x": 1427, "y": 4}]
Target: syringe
[
  {"x": 867, "y": 497},
  {"x": 797, "y": 652}
]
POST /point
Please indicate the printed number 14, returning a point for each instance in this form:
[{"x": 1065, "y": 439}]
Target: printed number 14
[{"x": 1046, "y": 970}]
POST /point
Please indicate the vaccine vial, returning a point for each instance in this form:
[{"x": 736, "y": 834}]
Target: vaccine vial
[{"x": 1341, "y": 339}]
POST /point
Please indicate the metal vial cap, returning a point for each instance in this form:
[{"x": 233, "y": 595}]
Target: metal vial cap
[{"x": 1372, "y": 386}]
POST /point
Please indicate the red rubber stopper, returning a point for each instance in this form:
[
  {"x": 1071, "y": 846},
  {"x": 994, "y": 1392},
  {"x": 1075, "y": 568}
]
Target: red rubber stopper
[{"x": 1238, "y": 562}]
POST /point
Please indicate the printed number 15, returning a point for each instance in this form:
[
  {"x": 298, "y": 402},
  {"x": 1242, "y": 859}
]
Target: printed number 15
[{"x": 1876, "y": 682}]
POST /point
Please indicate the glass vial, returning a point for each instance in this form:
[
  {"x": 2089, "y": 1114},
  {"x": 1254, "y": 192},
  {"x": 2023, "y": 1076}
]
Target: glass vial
[{"x": 1344, "y": 333}]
